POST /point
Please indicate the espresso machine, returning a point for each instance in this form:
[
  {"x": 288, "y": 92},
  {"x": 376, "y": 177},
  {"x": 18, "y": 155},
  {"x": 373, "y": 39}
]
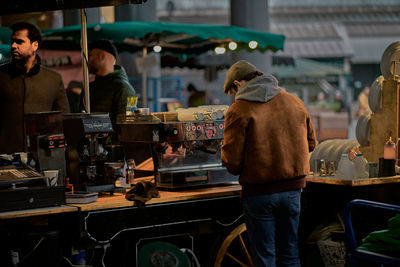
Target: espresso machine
[
  {"x": 185, "y": 154},
  {"x": 86, "y": 136},
  {"x": 46, "y": 145}
]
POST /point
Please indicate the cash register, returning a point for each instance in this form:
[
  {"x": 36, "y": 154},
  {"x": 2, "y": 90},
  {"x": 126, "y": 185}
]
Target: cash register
[
  {"x": 22, "y": 187},
  {"x": 23, "y": 183}
]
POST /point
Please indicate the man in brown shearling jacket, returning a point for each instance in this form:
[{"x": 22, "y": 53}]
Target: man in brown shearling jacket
[
  {"x": 267, "y": 140},
  {"x": 25, "y": 87}
]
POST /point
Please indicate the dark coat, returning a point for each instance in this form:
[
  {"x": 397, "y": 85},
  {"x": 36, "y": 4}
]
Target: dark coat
[
  {"x": 109, "y": 93},
  {"x": 39, "y": 90}
]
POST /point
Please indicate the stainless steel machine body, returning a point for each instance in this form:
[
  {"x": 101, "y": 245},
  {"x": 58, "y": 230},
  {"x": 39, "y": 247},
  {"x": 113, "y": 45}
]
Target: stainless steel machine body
[{"x": 185, "y": 154}]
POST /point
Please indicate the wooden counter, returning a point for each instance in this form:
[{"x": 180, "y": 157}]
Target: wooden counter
[
  {"x": 119, "y": 201},
  {"x": 355, "y": 182},
  {"x": 36, "y": 212},
  {"x": 325, "y": 198}
]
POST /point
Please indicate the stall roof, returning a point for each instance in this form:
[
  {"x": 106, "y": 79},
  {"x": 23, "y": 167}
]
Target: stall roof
[
  {"x": 336, "y": 12},
  {"x": 294, "y": 31},
  {"x": 370, "y": 40},
  {"x": 305, "y": 68},
  {"x": 366, "y": 27},
  {"x": 318, "y": 49},
  {"x": 314, "y": 40},
  {"x": 373, "y": 29},
  {"x": 370, "y": 50},
  {"x": 25, "y": 6}
]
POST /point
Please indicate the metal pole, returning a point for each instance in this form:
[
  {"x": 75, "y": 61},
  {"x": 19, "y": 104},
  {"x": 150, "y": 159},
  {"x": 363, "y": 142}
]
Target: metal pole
[
  {"x": 144, "y": 80},
  {"x": 85, "y": 69}
]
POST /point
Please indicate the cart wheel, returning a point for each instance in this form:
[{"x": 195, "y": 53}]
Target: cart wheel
[{"x": 235, "y": 249}]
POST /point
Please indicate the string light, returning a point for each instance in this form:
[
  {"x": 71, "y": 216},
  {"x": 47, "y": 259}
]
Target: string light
[
  {"x": 97, "y": 28},
  {"x": 157, "y": 48},
  {"x": 232, "y": 45},
  {"x": 220, "y": 50},
  {"x": 253, "y": 44}
]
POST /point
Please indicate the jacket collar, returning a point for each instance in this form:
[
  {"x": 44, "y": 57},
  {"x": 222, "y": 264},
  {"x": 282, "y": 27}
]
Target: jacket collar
[
  {"x": 118, "y": 72},
  {"x": 17, "y": 69}
]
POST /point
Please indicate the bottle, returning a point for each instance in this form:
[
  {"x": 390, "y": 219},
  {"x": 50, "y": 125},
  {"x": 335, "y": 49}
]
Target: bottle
[
  {"x": 69, "y": 187},
  {"x": 80, "y": 258},
  {"x": 322, "y": 168},
  {"x": 360, "y": 167},
  {"x": 345, "y": 168},
  {"x": 389, "y": 149},
  {"x": 131, "y": 171}
]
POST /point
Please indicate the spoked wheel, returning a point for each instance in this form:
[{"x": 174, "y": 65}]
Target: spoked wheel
[{"x": 235, "y": 249}]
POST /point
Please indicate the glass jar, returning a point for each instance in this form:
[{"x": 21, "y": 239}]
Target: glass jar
[
  {"x": 360, "y": 167},
  {"x": 389, "y": 150}
]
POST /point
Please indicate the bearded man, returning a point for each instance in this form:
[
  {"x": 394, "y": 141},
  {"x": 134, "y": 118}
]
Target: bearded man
[{"x": 25, "y": 87}]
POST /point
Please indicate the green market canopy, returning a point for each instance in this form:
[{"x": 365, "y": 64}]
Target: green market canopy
[{"x": 177, "y": 38}]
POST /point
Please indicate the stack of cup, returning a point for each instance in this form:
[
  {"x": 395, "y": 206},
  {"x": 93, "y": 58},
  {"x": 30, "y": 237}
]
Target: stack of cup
[
  {"x": 201, "y": 113},
  {"x": 189, "y": 115}
]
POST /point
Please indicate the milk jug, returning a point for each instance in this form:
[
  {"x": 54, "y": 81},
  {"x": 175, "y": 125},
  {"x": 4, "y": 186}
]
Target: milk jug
[{"x": 345, "y": 168}]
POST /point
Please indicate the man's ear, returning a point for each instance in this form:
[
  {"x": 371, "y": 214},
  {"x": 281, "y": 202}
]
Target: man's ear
[
  {"x": 236, "y": 82},
  {"x": 35, "y": 46}
]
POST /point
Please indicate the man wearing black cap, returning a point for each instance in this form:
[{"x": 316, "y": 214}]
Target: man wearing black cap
[{"x": 111, "y": 87}]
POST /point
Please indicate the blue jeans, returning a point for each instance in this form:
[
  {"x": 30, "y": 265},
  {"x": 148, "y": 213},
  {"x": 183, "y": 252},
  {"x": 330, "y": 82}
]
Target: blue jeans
[{"x": 272, "y": 222}]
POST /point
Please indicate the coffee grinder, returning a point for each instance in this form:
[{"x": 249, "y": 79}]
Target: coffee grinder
[
  {"x": 46, "y": 145},
  {"x": 86, "y": 136}
]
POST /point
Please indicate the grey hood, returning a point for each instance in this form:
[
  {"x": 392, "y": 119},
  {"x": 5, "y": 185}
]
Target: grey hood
[{"x": 260, "y": 89}]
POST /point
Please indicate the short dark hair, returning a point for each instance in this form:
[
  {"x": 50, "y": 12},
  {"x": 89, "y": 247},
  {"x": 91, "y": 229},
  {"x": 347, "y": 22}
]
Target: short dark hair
[
  {"x": 248, "y": 77},
  {"x": 34, "y": 33},
  {"x": 252, "y": 75}
]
